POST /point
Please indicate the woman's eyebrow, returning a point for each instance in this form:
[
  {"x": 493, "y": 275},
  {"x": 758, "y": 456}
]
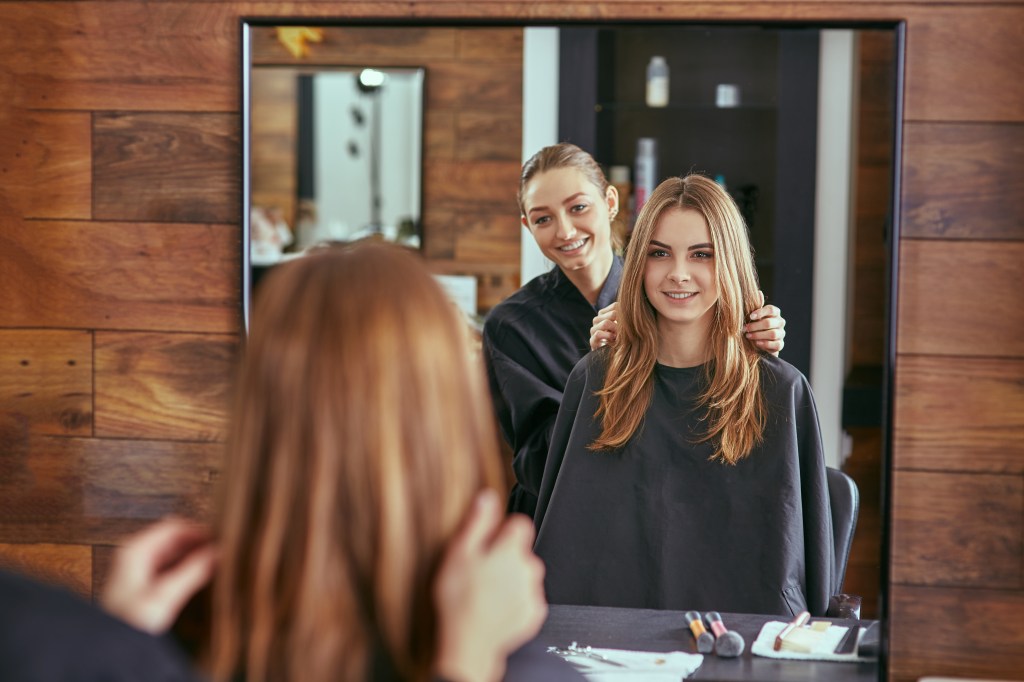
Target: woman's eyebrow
[
  {"x": 655, "y": 242},
  {"x": 564, "y": 201},
  {"x": 705, "y": 245}
]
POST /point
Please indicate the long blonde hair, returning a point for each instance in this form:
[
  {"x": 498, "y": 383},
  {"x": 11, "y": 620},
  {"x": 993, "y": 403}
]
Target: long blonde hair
[
  {"x": 735, "y": 411},
  {"x": 361, "y": 432}
]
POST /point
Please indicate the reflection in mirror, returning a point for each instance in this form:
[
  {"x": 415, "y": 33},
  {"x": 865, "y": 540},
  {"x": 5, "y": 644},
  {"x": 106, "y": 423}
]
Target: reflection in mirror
[
  {"x": 336, "y": 156},
  {"x": 479, "y": 126}
]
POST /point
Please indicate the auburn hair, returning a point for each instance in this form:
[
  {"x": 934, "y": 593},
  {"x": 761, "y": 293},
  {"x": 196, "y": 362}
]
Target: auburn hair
[
  {"x": 361, "y": 432},
  {"x": 732, "y": 398}
]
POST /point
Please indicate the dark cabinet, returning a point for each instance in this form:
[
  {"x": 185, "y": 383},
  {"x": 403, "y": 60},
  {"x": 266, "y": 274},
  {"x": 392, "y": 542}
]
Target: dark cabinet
[{"x": 763, "y": 149}]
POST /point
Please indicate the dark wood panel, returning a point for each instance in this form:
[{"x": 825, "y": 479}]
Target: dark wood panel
[
  {"x": 167, "y": 167},
  {"x": 951, "y": 529},
  {"x": 177, "y": 56},
  {"x": 120, "y": 275},
  {"x": 454, "y": 185},
  {"x": 46, "y": 166},
  {"x": 471, "y": 85},
  {"x": 490, "y": 44},
  {"x": 955, "y": 632},
  {"x": 96, "y": 491},
  {"x": 960, "y": 414},
  {"x": 357, "y": 45},
  {"x": 171, "y": 386},
  {"x": 963, "y": 181},
  {"x": 102, "y": 558},
  {"x": 69, "y": 566},
  {"x": 961, "y": 298},
  {"x": 46, "y": 380},
  {"x": 273, "y": 128},
  {"x": 965, "y": 63},
  {"x": 439, "y": 139},
  {"x": 490, "y": 135}
]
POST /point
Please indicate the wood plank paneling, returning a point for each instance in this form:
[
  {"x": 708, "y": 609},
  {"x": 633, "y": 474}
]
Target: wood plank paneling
[
  {"x": 274, "y": 128},
  {"x": 69, "y": 566},
  {"x": 46, "y": 164},
  {"x": 449, "y": 185},
  {"x": 96, "y": 491},
  {"x": 969, "y": 633},
  {"x": 360, "y": 46},
  {"x": 164, "y": 56},
  {"x": 171, "y": 386},
  {"x": 965, "y": 63},
  {"x": 455, "y": 85},
  {"x": 961, "y": 298},
  {"x": 167, "y": 167},
  {"x": 950, "y": 407},
  {"x": 96, "y": 275},
  {"x": 954, "y": 528},
  {"x": 46, "y": 380},
  {"x": 963, "y": 181},
  {"x": 489, "y": 135}
]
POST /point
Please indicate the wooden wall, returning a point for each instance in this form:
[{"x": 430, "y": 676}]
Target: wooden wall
[{"x": 119, "y": 271}]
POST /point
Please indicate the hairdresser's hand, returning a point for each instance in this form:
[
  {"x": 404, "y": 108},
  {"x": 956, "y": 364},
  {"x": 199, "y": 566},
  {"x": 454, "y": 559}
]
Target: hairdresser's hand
[
  {"x": 489, "y": 593},
  {"x": 605, "y": 327},
  {"x": 767, "y": 328},
  {"x": 156, "y": 572}
]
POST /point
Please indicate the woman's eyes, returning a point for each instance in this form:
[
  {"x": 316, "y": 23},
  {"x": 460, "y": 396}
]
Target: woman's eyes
[
  {"x": 657, "y": 253},
  {"x": 702, "y": 254},
  {"x": 578, "y": 208},
  {"x": 541, "y": 220}
]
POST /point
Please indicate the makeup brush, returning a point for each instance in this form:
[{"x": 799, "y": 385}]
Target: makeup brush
[
  {"x": 728, "y": 644},
  {"x": 705, "y": 641}
]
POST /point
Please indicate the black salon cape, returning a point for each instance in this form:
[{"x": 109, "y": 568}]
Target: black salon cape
[
  {"x": 531, "y": 342},
  {"x": 48, "y": 634},
  {"x": 657, "y": 525}
]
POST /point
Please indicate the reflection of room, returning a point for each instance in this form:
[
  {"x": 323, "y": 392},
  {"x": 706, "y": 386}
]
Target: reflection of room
[{"x": 486, "y": 108}]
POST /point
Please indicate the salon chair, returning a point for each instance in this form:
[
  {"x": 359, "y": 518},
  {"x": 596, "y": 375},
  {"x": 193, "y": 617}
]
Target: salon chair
[{"x": 844, "y": 500}]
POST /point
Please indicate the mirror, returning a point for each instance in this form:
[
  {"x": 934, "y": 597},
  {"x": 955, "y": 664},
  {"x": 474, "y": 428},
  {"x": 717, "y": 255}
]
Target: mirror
[
  {"x": 336, "y": 157},
  {"x": 804, "y": 134}
]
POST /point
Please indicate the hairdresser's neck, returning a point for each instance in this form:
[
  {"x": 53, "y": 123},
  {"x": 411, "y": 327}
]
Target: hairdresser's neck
[
  {"x": 590, "y": 278},
  {"x": 683, "y": 344}
]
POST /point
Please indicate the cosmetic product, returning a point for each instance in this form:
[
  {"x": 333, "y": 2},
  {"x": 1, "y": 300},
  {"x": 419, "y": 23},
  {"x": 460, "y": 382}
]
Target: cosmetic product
[
  {"x": 705, "y": 641},
  {"x": 727, "y": 95},
  {"x": 657, "y": 82},
  {"x": 801, "y": 618},
  {"x": 728, "y": 644},
  {"x": 645, "y": 172}
]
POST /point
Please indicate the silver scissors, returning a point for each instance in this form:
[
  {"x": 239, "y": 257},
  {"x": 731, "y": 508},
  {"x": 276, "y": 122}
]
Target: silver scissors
[{"x": 575, "y": 649}]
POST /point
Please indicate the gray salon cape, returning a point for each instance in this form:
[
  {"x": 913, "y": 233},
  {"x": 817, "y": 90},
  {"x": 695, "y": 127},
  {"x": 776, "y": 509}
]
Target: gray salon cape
[
  {"x": 531, "y": 342},
  {"x": 658, "y": 525}
]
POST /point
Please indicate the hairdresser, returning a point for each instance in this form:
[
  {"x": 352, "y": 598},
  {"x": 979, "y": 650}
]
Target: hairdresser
[{"x": 534, "y": 338}]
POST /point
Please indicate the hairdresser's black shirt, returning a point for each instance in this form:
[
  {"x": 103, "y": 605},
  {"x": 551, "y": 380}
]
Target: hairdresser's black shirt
[
  {"x": 49, "y": 634},
  {"x": 531, "y": 341},
  {"x": 658, "y": 525}
]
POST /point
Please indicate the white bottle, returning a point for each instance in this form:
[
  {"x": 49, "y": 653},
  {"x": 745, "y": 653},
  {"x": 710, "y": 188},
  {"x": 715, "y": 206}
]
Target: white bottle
[
  {"x": 657, "y": 82},
  {"x": 646, "y": 172}
]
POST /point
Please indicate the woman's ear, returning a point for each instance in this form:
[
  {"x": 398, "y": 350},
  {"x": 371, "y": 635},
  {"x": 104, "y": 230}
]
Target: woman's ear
[
  {"x": 611, "y": 195},
  {"x": 525, "y": 223}
]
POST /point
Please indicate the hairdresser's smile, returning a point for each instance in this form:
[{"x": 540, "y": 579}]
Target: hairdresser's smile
[
  {"x": 679, "y": 276},
  {"x": 569, "y": 217}
]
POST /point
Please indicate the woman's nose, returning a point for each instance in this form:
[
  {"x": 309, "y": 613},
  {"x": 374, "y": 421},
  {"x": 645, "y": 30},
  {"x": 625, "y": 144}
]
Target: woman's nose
[
  {"x": 566, "y": 230},
  {"x": 679, "y": 275}
]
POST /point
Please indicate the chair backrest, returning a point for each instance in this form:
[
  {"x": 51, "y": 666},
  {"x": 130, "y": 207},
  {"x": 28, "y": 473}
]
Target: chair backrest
[{"x": 844, "y": 499}]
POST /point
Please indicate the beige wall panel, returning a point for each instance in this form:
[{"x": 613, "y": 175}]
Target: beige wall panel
[
  {"x": 120, "y": 275},
  {"x": 963, "y": 414},
  {"x": 96, "y": 491},
  {"x": 961, "y": 298},
  {"x": 171, "y": 386},
  {"x": 68, "y": 566},
  {"x": 951, "y": 529},
  {"x": 167, "y": 167},
  {"x": 955, "y": 632},
  {"x": 963, "y": 181},
  {"x": 46, "y": 380}
]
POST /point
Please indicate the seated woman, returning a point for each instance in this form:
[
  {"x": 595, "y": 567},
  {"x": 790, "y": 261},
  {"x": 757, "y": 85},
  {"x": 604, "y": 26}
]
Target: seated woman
[{"x": 686, "y": 469}]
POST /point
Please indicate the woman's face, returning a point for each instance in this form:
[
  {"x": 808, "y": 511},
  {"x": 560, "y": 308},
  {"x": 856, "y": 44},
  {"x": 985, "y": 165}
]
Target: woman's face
[
  {"x": 679, "y": 275},
  {"x": 569, "y": 217}
]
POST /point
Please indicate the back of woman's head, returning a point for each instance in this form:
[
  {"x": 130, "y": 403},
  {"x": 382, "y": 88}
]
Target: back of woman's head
[{"x": 361, "y": 432}]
